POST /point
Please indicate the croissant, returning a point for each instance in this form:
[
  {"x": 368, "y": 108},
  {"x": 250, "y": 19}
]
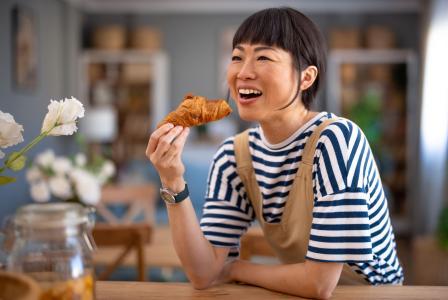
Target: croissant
[{"x": 197, "y": 110}]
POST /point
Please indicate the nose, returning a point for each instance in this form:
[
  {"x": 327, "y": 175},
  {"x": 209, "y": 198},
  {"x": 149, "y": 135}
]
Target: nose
[{"x": 247, "y": 71}]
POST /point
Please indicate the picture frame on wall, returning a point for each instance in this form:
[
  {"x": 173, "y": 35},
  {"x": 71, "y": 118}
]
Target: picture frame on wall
[{"x": 24, "y": 48}]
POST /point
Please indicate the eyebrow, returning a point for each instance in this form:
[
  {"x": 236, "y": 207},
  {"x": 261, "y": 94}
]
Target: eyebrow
[{"x": 260, "y": 48}]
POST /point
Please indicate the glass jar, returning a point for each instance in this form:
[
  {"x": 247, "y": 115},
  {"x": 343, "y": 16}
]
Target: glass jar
[{"x": 53, "y": 244}]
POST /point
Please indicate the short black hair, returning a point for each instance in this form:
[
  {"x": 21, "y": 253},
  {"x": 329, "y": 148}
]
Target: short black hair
[{"x": 289, "y": 29}]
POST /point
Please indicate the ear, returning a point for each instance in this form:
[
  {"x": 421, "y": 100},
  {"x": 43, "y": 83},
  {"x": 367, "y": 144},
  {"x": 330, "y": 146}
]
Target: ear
[{"x": 307, "y": 77}]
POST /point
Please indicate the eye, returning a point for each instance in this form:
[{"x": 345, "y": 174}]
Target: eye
[
  {"x": 236, "y": 58},
  {"x": 263, "y": 58}
]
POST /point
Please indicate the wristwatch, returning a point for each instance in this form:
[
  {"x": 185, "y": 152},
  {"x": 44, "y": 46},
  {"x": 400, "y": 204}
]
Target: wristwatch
[{"x": 170, "y": 197}]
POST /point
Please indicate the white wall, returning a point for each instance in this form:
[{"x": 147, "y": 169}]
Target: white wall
[{"x": 434, "y": 121}]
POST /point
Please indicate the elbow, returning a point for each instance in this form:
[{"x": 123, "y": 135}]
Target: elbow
[
  {"x": 322, "y": 291},
  {"x": 324, "y": 294},
  {"x": 200, "y": 283}
]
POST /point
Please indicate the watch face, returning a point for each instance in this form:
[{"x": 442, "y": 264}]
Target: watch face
[{"x": 167, "y": 197}]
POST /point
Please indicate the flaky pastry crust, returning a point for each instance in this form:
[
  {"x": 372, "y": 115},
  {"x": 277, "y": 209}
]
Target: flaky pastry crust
[{"x": 197, "y": 110}]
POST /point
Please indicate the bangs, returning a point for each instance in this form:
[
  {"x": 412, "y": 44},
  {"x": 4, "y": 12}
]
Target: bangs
[{"x": 270, "y": 27}]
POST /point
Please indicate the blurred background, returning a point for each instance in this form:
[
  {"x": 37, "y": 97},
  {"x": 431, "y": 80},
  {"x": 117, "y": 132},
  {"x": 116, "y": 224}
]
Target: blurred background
[{"x": 131, "y": 62}]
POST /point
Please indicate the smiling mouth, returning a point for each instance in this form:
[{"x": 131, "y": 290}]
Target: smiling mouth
[{"x": 249, "y": 93}]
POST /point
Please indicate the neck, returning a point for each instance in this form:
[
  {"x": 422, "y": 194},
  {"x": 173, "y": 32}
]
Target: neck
[{"x": 279, "y": 129}]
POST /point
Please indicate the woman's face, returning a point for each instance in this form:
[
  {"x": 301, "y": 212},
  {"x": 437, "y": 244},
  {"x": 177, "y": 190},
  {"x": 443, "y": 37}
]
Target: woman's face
[{"x": 262, "y": 79}]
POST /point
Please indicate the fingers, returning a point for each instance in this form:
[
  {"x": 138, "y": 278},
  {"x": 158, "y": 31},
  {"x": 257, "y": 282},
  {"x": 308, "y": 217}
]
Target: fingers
[
  {"x": 165, "y": 143},
  {"x": 155, "y": 136},
  {"x": 181, "y": 139},
  {"x": 177, "y": 145}
]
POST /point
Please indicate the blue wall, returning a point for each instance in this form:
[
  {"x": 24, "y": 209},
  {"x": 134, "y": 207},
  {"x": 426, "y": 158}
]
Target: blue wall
[
  {"x": 30, "y": 107},
  {"x": 191, "y": 41}
]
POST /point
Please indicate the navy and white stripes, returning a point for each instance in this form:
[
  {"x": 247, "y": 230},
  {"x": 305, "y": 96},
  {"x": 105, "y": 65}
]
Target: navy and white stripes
[{"x": 351, "y": 220}]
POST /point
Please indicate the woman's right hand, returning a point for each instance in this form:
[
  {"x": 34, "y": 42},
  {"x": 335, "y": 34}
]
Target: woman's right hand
[{"x": 164, "y": 151}]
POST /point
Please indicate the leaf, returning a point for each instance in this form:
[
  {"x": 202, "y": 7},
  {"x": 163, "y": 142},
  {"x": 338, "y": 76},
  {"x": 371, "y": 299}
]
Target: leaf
[
  {"x": 15, "y": 161},
  {"x": 443, "y": 228},
  {"x": 5, "y": 180}
]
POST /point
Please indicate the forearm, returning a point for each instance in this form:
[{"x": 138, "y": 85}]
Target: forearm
[
  {"x": 295, "y": 279},
  {"x": 198, "y": 257},
  {"x": 201, "y": 262}
]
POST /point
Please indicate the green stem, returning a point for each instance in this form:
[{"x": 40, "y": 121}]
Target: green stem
[{"x": 28, "y": 147}]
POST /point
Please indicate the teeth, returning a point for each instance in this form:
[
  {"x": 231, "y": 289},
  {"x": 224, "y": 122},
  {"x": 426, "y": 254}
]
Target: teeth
[{"x": 249, "y": 91}]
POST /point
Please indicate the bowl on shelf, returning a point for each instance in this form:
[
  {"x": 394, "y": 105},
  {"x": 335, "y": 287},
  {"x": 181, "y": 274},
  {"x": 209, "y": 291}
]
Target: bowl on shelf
[{"x": 109, "y": 37}]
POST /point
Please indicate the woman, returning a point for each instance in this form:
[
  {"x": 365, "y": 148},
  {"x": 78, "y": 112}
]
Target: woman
[{"x": 308, "y": 178}]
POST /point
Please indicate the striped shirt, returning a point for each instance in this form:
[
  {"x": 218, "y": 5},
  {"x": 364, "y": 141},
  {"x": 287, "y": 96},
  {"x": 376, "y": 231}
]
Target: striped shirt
[{"x": 351, "y": 222}]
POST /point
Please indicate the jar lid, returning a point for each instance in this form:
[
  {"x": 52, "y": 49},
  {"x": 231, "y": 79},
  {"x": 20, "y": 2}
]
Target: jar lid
[{"x": 51, "y": 215}]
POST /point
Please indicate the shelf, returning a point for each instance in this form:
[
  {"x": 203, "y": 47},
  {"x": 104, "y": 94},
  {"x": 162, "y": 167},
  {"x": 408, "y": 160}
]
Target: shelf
[
  {"x": 377, "y": 90},
  {"x": 133, "y": 84},
  {"x": 158, "y": 61}
]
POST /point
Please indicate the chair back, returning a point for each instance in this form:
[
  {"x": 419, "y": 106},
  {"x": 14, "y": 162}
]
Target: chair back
[
  {"x": 139, "y": 199},
  {"x": 123, "y": 231}
]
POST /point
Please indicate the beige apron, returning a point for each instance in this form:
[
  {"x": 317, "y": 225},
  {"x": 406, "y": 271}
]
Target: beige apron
[{"x": 289, "y": 238}]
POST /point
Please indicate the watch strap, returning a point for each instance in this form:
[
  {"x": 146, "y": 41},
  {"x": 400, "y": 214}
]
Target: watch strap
[
  {"x": 182, "y": 195},
  {"x": 171, "y": 197}
]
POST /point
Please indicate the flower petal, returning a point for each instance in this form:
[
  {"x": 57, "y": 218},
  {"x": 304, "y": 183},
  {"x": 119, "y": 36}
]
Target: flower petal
[
  {"x": 45, "y": 159},
  {"x": 10, "y": 131},
  {"x": 52, "y": 116},
  {"x": 60, "y": 187},
  {"x": 40, "y": 192},
  {"x": 62, "y": 116},
  {"x": 33, "y": 174}
]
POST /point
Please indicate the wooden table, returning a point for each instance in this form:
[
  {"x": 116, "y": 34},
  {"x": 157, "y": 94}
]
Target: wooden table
[{"x": 109, "y": 290}]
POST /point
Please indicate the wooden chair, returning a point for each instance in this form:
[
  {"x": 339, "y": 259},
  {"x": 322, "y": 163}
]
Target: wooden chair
[
  {"x": 140, "y": 199},
  {"x": 122, "y": 232},
  {"x": 132, "y": 236}
]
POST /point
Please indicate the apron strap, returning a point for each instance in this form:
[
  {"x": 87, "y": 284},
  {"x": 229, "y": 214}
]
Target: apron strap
[
  {"x": 242, "y": 153},
  {"x": 245, "y": 171},
  {"x": 310, "y": 147}
]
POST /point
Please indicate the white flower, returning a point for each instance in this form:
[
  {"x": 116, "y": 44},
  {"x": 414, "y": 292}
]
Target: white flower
[
  {"x": 60, "y": 187},
  {"x": 10, "y": 132},
  {"x": 40, "y": 192},
  {"x": 45, "y": 159},
  {"x": 87, "y": 186},
  {"x": 107, "y": 171},
  {"x": 61, "y": 117},
  {"x": 33, "y": 174},
  {"x": 61, "y": 165},
  {"x": 80, "y": 160}
]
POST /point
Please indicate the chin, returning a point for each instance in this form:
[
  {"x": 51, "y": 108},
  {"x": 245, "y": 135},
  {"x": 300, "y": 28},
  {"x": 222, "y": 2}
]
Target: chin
[{"x": 248, "y": 116}]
